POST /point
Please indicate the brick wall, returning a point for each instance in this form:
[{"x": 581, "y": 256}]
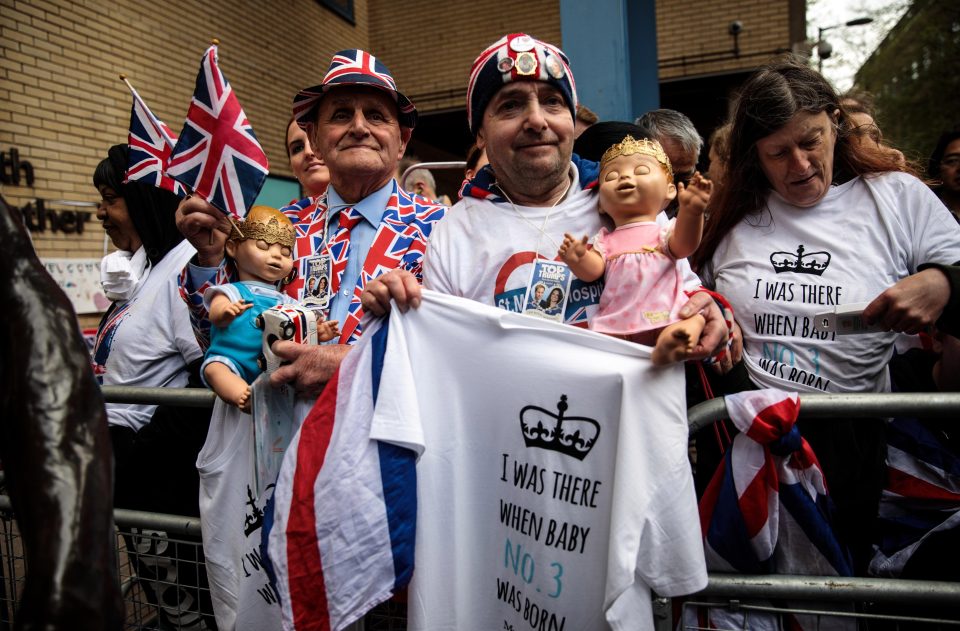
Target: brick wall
[
  {"x": 691, "y": 29},
  {"x": 430, "y": 56}
]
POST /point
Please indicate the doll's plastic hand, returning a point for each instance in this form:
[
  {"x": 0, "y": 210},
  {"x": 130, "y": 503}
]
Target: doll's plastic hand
[
  {"x": 205, "y": 227},
  {"x": 328, "y": 330},
  {"x": 310, "y": 367},
  {"x": 223, "y": 312},
  {"x": 235, "y": 308},
  {"x": 398, "y": 285},
  {"x": 695, "y": 196},
  {"x": 572, "y": 249}
]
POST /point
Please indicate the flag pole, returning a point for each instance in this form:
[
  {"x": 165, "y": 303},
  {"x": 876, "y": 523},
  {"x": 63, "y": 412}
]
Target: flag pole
[
  {"x": 136, "y": 96},
  {"x": 123, "y": 78},
  {"x": 216, "y": 42},
  {"x": 235, "y": 226}
]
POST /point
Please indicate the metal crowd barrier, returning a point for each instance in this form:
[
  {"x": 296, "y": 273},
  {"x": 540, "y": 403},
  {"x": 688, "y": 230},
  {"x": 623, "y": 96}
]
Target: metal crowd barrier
[
  {"x": 844, "y": 603},
  {"x": 763, "y": 596},
  {"x": 873, "y": 405}
]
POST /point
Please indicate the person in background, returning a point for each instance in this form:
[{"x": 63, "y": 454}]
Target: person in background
[
  {"x": 859, "y": 108},
  {"x": 584, "y": 119},
  {"x": 309, "y": 169},
  {"x": 719, "y": 154},
  {"x": 680, "y": 140},
  {"x": 476, "y": 160},
  {"x": 145, "y": 340},
  {"x": 944, "y": 167},
  {"x": 419, "y": 181}
]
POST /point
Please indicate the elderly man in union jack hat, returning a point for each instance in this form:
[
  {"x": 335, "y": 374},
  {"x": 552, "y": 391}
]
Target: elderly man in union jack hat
[
  {"x": 521, "y": 106},
  {"x": 364, "y": 224}
]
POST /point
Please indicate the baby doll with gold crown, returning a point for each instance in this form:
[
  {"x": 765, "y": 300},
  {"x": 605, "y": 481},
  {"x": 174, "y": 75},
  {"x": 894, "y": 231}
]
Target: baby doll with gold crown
[
  {"x": 261, "y": 247},
  {"x": 643, "y": 285}
]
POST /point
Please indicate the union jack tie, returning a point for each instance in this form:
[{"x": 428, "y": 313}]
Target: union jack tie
[{"x": 340, "y": 245}]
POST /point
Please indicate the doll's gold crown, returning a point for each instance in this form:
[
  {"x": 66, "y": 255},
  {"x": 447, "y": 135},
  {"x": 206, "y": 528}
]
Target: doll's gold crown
[
  {"x": 630, "y": 146},
  {"x": 265, "y": 224}
]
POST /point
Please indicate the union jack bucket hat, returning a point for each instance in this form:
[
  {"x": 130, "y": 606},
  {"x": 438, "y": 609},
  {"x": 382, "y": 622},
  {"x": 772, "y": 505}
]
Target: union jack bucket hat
[
  {"x": 517, "y": 57},
  {"x": 353, "y": 67}
]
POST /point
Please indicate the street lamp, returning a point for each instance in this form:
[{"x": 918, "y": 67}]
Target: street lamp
[{"x": 824, "y": 49}]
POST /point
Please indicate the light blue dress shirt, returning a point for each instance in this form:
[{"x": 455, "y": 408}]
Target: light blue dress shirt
[{"x": 372, "y": 208}]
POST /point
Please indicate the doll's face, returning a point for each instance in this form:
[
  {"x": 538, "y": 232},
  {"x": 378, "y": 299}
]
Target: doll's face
[
  {"x": 634, "y": 188},
  {"x": 258, "y": 260}
]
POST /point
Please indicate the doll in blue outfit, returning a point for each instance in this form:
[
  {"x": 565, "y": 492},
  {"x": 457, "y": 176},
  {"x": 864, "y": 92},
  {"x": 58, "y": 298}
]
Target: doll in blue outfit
[{"x": 262, "y": 251}]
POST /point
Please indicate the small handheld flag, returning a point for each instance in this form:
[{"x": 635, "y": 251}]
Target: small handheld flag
[
  {"x": 150, "y": 142},
  {"x": 217, "y": 154}
]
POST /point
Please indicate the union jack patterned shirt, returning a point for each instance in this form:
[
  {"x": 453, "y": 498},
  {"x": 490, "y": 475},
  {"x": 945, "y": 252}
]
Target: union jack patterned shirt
[{"x": 399, "y": 243}]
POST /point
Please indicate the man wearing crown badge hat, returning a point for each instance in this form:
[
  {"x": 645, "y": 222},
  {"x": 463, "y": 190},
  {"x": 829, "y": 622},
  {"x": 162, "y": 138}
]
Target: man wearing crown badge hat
[
  {"x": 493, "y": 247},
  {"x": 521, "y": 106},
  {"x": 364, "y": 224}
]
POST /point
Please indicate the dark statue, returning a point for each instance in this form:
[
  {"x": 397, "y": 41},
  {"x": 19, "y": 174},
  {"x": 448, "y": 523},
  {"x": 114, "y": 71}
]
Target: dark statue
[{"x": 55, "y": 448}]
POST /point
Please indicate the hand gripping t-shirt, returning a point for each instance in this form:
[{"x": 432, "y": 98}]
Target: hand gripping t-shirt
[
  {"x": 781, "y": 269},
  {"x": 552, "y": 488}
]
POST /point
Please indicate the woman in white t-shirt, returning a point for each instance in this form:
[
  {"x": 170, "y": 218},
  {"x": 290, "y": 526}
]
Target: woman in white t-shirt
[
  {"x": 145, "y": 339},
  {"x": 809, "y": 220}
]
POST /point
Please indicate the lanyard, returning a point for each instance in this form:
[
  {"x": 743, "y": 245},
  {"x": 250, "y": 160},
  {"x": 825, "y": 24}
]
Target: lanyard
[{"x": 541, "y": 230}]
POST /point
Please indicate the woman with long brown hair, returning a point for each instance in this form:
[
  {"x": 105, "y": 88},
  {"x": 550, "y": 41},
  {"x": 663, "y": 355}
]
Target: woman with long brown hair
[{"x": 809, "y": 220}]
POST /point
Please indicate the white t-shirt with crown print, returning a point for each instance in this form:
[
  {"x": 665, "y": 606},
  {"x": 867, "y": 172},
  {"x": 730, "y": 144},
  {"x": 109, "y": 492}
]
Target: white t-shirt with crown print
[{"x": 782, "y": 268}]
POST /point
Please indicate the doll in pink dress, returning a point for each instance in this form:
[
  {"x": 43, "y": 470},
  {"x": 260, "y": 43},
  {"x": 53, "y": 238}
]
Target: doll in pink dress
[{"x": 643, "y": 285}]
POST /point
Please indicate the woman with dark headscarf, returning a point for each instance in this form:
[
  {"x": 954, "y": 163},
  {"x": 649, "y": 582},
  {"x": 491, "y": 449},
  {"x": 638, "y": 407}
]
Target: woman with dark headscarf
[
  {"x": 809, "y": 220},
  {"x": 145, "y": 339}
]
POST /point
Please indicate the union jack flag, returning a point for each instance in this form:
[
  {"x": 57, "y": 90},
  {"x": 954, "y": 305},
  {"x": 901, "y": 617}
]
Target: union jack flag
[
  {"x": 150, "y": 142},
  {"x": 218, "y": 155},
  {"x": 919, "y": 515}
]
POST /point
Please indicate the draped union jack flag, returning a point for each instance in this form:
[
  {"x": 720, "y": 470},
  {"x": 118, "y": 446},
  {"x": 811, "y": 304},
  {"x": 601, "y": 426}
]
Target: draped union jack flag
[
  {"x": 150, "y": 142},
  {"x": 218, "y": 155}
]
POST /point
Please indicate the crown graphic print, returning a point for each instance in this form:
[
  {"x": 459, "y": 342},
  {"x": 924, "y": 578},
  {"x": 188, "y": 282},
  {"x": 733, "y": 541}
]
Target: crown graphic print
[
  {"x": 810, "y": 263},
  {"x": 571, "y": 435}
]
